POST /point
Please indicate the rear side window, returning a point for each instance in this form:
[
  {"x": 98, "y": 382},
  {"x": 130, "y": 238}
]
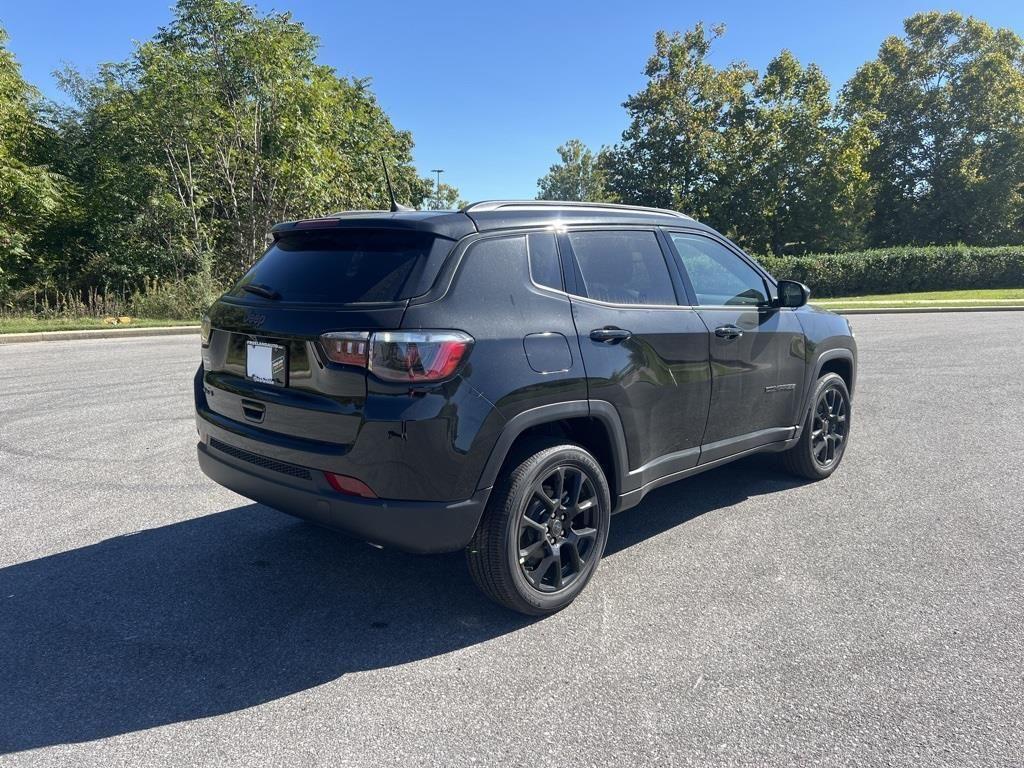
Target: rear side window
[
  {"x": 623, "y": 267},
  {"x": 345, "y": 266},
  {"x": 544, "y": 266},
  {"x": 718, "y": 275}
]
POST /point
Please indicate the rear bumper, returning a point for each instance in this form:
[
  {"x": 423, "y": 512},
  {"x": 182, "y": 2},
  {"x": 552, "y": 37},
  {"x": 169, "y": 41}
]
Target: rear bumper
[{"x": 422, "y": 527}]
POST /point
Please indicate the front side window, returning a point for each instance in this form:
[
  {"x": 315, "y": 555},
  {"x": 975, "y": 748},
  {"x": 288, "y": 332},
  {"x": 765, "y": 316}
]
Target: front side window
[
  {"x": 623, "y": 267},
  {"x": 718, "y": 275}
]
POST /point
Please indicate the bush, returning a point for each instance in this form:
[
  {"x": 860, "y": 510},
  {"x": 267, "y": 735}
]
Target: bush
[
  {"x": 49, "y": 302},
  {"x": 185, "y": 299},
  {"x": 903, "y": 270}
]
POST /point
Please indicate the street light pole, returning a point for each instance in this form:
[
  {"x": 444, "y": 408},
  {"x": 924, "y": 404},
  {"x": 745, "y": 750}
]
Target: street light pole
[{"x": 437, "y": 189}]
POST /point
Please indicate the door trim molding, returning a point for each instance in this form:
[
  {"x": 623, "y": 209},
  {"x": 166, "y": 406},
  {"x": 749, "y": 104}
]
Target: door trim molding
[
  {"x": 667, "y": 464},
  {"x": 724, "y": 448},
  {"x": 632, "y": 498}
]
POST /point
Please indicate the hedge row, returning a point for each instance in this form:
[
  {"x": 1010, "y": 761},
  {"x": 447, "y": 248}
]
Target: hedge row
[{"x": 903, "y": 270}]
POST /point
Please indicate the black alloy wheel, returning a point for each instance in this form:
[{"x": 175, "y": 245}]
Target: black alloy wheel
[
  {"x": 544, "y": 531},
  {"x": 826, "y": 431},
  {"x": 828, "y": 438},
  {"x": 558, "y": 528}
]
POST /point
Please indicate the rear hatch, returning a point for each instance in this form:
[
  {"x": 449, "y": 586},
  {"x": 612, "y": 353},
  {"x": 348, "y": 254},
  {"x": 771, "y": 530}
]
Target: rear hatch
[{"x": 264, "y": 365}]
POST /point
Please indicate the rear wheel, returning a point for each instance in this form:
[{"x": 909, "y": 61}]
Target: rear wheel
[
  {"x": 544, "y": 531},
  {"x": 826, "y": 431}
]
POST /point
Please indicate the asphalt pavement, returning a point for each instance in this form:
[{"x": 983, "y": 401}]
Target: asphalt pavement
[{"x": 150, "y": 617}]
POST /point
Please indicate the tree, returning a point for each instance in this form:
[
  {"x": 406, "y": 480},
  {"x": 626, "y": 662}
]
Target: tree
[
  {"x": 945, "y": 103},
  {"x": 766, "y": 159},
  {"x": 445, "y": 198},
  {"x": 217, "y": 128},
  {"x": 30, "y": 192},
  {"x": 671, "y": 154},
  {"x": 581, "y": 175},
  {"x": 792, "y": 175}
]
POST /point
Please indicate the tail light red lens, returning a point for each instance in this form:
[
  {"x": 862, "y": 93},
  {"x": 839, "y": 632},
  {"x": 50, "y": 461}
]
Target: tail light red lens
[
  {"x": 204, "y": 331},
  {"x": 347, "y": 347},
  {"x": 349, "y": 485},
  {"x": 406, "y": 356},
  {"x": 417, "y": 355}
]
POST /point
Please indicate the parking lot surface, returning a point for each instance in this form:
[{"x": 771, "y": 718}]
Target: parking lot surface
[{"x": 150, "y": 617}]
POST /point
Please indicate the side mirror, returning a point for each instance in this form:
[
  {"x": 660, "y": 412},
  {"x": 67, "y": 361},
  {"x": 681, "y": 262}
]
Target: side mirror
[{"x": 793, "y": 294}]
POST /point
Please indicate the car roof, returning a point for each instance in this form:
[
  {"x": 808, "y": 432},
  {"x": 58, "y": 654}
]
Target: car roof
[{"x": 491, "y": 215}]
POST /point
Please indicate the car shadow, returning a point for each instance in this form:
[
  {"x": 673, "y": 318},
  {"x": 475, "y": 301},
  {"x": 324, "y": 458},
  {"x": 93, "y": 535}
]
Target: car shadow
[
  {"x": 671, "y": 505},
  {"x": 230, "y": 610}
]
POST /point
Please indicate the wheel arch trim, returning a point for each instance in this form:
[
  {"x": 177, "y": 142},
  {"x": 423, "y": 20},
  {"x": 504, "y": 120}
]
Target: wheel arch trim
[
  {"x": 836, "y": 353},
  {"x": 839, "y": 353},
  {"x": 547, "y": 414}
]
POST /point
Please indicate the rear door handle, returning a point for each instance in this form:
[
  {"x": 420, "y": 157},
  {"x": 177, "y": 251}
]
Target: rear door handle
[
  {"x": 609, "y": 335},
  {"x": 728, "y": 332}
]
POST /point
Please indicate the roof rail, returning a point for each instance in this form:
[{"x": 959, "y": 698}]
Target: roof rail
[{"x": 497, "y": 205}]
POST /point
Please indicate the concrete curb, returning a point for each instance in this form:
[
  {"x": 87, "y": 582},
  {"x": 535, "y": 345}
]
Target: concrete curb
[
  {"x": 97, "y": 333},
  {"x": 917, "y": 310}
]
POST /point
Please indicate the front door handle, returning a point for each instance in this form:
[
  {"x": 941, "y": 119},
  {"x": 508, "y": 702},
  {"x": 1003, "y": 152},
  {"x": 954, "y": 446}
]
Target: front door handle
[
  {"x": 609, "y": 335},
  {"x": 728, "y": 332}
]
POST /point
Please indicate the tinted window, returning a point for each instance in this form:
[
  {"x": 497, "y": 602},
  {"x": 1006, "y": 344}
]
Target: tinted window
[
  {"x": 344, "y": 267},
  {"x": 718, "y": 275},
  {"x": 544, "y": 266},
  {"x": 623, "y": 267}
]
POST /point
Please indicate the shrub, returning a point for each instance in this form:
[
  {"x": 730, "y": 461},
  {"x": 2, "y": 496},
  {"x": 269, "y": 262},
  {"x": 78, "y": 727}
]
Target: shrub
[
  {"x": 903, "y": 269},
  {"x": 186, "y": 299},
  {"x": 48, "y": 302}
]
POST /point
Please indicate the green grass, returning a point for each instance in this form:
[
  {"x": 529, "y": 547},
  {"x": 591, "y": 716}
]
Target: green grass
[
  {"x": 28, "y": 324},
  {"x": 996, "y": 297}
]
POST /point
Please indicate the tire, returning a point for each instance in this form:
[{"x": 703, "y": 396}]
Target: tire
[
  {"x": 521, "y": 555},
  {"x": 808, "y": 458}
]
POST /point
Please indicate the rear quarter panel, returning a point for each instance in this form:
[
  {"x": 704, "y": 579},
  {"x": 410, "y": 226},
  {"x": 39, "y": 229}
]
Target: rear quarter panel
[{"x": 492, "y": 298}]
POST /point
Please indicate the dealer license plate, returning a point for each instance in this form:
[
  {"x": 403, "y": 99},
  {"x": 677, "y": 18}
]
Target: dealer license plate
[{"x": 266, "y": 363}]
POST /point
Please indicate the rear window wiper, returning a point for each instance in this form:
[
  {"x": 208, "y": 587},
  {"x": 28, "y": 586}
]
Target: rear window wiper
[{"x": 261, "y": 290}]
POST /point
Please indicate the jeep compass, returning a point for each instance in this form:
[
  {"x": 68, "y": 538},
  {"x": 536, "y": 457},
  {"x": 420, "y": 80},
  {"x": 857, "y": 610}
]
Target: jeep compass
[{"x": 505, "y": 378}]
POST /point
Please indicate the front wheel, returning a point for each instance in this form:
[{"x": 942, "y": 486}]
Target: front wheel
[
  {"x": 826, "y": 431},
  {"x": 544, "y": 531}
]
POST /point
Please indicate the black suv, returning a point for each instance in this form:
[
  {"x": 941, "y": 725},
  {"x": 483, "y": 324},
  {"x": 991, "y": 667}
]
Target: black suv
[{"x": 504, "y": 378}]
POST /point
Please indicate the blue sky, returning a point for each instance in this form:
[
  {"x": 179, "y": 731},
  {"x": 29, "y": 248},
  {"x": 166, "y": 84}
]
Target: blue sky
[{"x": 490, "y": 89}]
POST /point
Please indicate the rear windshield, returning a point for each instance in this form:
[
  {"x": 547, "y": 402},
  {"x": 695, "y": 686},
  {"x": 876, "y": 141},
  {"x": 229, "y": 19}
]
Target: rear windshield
[{"x": 347, "y": 266}]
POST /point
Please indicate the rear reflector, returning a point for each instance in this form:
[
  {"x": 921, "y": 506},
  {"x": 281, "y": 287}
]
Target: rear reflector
[
  {"x": 349, "y": 485},
  {"x": 402, "y": 356}
]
